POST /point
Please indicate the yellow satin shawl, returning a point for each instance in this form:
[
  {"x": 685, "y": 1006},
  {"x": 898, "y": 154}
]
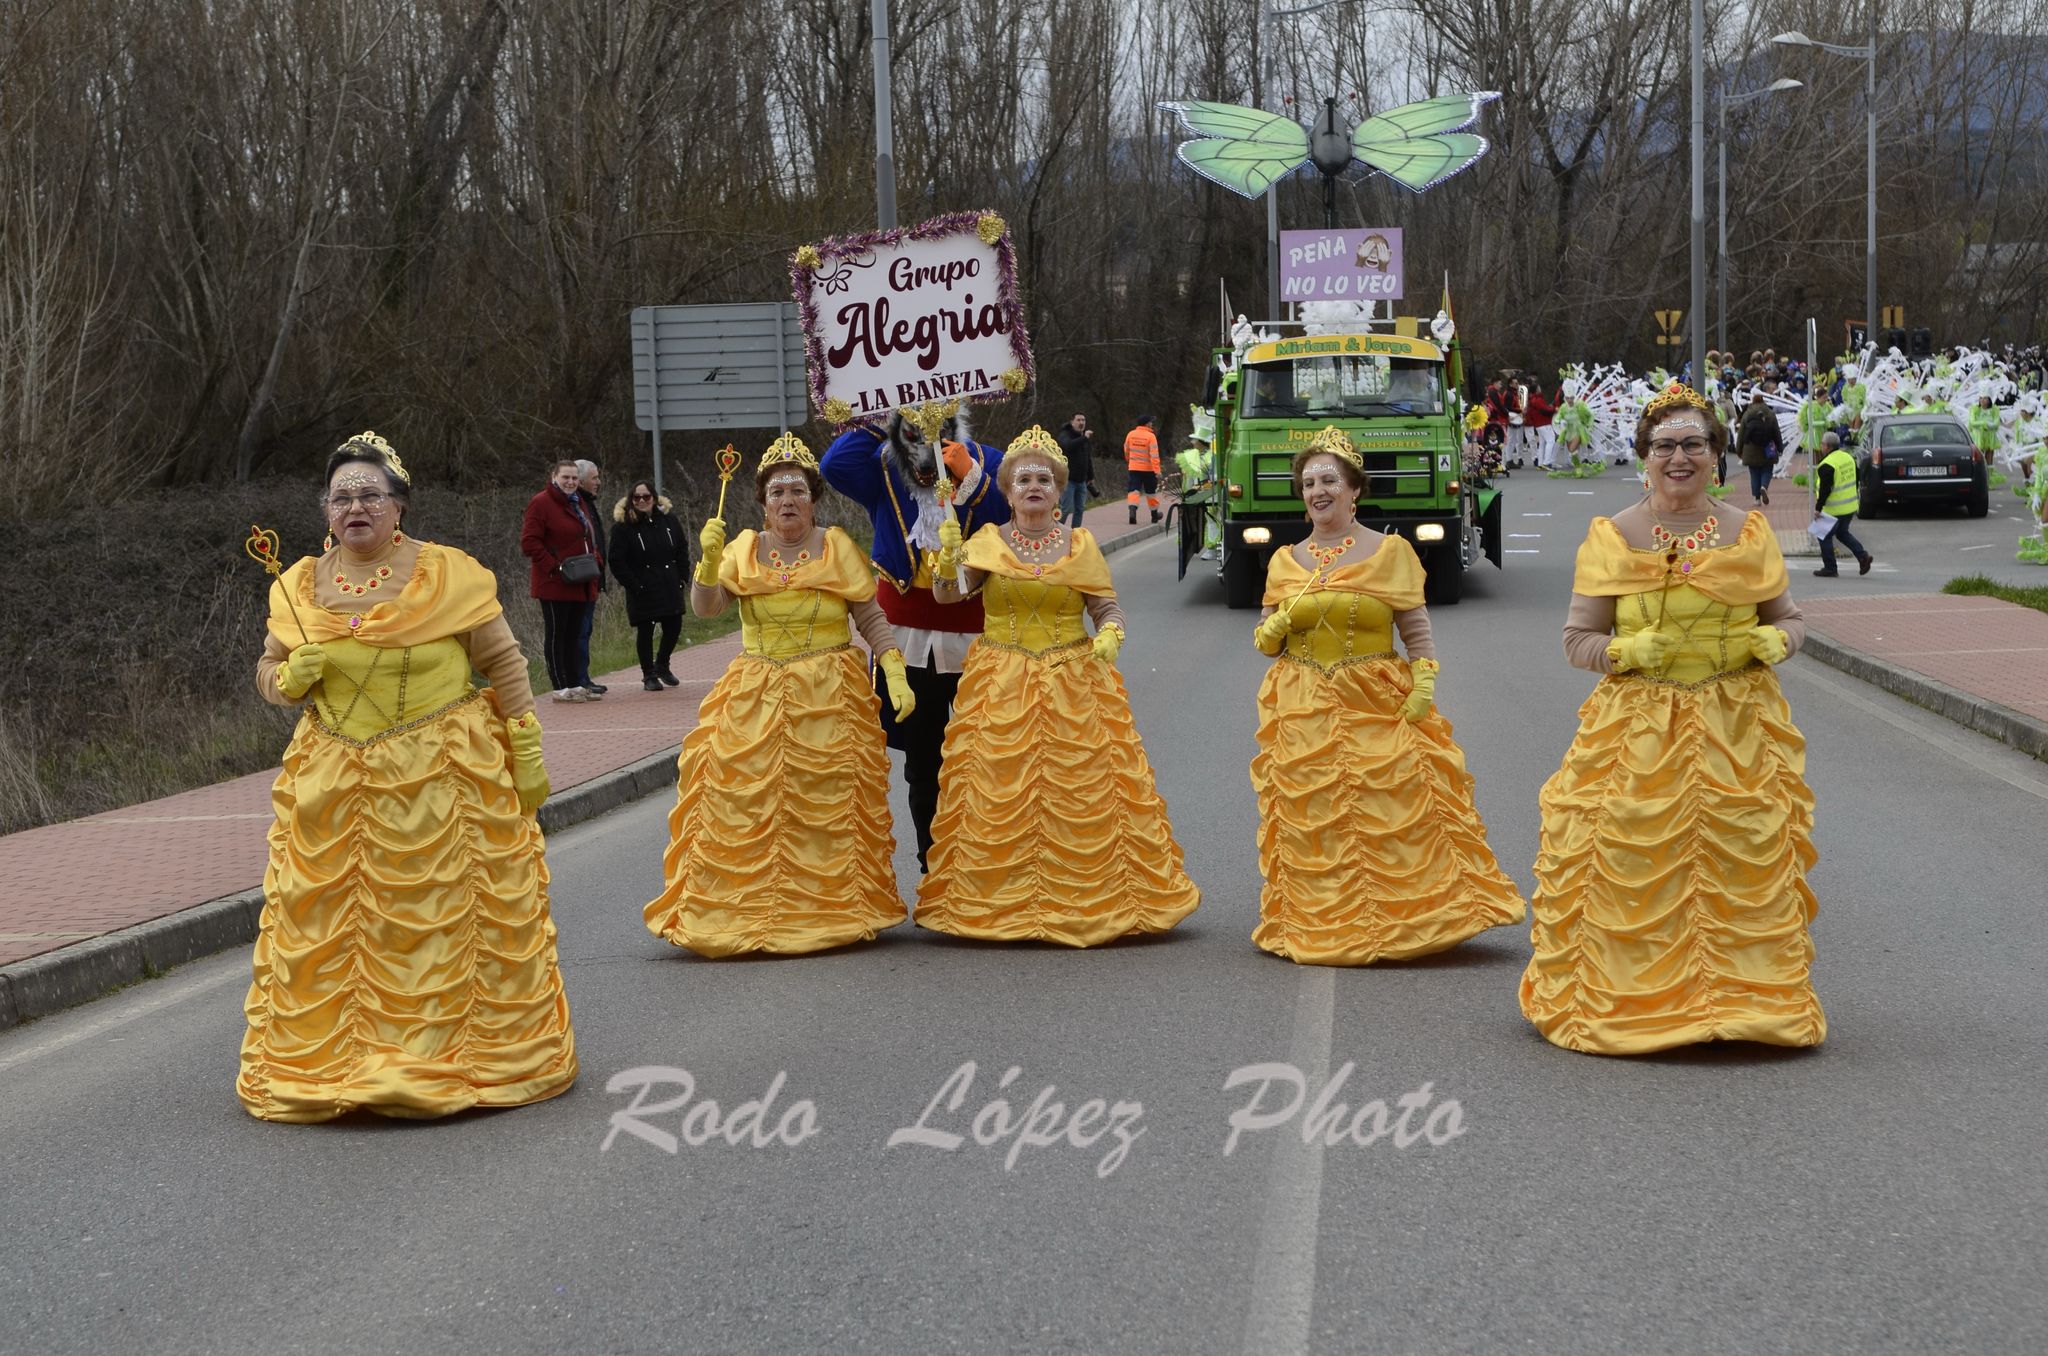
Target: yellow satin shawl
[
  {"x": 1392, "y": 573},
  {"x": 1082, "y": 569},
  {"x": 842, "y": 570},
  {"x": 450, "y": 593},
  {"x": 1750, "y": 571}
]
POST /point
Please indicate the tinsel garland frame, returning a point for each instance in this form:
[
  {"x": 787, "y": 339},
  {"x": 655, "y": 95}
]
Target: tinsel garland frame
[{"x": 985, "y": 226}]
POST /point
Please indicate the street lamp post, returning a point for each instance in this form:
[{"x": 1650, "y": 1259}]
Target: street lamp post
[
  {"x": 1869, "y": 53},
  {"x": 1270, "y": 15},
  {"x": 1721, "y": 180}
]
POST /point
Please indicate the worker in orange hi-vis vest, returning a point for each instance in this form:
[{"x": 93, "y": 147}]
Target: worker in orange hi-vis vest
[{"x": 1141, "y": 458}]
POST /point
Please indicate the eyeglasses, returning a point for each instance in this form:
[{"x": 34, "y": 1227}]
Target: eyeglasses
[
  {"x": 1692, "y": 447},
  {"x": 339, "y": 504}
]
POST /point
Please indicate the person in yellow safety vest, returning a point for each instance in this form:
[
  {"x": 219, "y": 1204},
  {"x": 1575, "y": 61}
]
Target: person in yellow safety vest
[
  {"x": 1141, "y": 459},
  {"x": 1197, "y": 472},
  {"x": 1834, "y": 489}
]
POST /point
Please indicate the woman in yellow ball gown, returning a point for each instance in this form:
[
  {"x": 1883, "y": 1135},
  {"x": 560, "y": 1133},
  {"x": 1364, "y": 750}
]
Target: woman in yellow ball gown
[
  {"x": 1049, "y": 826},
  {"x": 1671, "y": 901},
  {"x": 406, "y": 960},
  {"x": 1369, "y": 842},
  {"x": 780, "y": 839}
]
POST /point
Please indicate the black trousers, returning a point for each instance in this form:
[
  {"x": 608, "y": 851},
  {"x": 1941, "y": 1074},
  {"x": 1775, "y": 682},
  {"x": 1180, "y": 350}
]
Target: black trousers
[
  {"x": 922, "y": 739},
  {"x": 562, "y": 641},
  {"x": 650, "y": 662}
]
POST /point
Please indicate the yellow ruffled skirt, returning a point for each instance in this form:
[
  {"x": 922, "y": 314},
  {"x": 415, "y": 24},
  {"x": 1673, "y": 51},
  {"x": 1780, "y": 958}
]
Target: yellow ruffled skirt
[
  {"x": 1049, "y": 826},
  {"x": 1671, "y": 899},
  {"x": 1369, "y": 841},
  {"x": 780, "y": 837},
  {"x": 406, "y": 959}
]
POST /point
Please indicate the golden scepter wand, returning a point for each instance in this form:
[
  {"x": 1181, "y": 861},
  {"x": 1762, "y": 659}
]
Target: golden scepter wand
[
  {"x": 262, "y": 548},
  {"x": 728, "y": 462}
]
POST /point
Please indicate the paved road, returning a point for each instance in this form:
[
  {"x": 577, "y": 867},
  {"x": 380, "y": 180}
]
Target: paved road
[{"x": 1880, "y": 1194}]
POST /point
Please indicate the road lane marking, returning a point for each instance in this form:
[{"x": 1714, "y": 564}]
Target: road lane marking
[
  {"x": 1284, "y": 1276},
  {"x": 1523, "y": 551},
  {"x": 1535, "y": 515},
  {"x": 1985, "y": 547},
  {"x": 1584, "y": 492},
  {"x": 1843, "y": 690},
  {"x": 170, "y": 995},
  {"x": 1525, "y": 536}
]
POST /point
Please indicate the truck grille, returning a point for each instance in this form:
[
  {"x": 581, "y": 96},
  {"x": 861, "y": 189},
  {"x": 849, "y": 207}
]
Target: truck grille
[{"x": 1384, "y": 477}]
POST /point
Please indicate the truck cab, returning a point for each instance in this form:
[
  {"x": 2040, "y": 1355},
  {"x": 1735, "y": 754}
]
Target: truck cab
[{"x": 1396, "y": 395}]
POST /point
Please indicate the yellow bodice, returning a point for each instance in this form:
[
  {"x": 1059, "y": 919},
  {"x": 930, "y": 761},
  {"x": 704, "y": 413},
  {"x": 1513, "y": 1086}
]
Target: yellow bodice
[
  {"x": 792, "y": 622},
  {"x": 1713, "y": 637},
  {"x": 371, "y": 690},
  {"x": 1031, "y": 614},
  {"x": 1349, "y": 626}
]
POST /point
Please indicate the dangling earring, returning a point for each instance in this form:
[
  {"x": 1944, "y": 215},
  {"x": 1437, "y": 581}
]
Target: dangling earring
[
  {"x": 328, "y": 545},
  {"x": 397, "y": 535}
]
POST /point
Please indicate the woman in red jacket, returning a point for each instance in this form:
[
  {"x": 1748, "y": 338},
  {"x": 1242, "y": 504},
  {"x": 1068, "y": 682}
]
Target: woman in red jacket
[{"x": 560, "y": 540}]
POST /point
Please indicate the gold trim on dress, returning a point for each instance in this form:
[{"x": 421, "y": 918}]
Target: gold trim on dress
[
  {"x": 1697, "y": 683},
  {"x": 1084, "y": 643},
  {"x": 779, "y": 660},
  {"x": 313, "y": 717},
  {"x": 1345, "y": 662}
]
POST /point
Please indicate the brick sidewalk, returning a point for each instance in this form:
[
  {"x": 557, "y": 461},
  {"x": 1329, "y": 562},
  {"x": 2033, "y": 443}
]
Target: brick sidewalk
[
  {"x": 69, "y": 882},
  {"x": 1984, "y": 647}
]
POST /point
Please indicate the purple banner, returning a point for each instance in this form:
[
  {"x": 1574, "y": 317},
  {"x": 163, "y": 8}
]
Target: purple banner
[{"x": 1362, "y": 263}]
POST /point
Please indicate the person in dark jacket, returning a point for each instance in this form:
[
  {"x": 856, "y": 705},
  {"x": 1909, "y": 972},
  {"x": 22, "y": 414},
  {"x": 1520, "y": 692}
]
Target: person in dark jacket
[
  {"x": 1077, "y": 441},
  {"x": 1757, "y": 449},
  {"x": 589, "y": 480},
  {"x": 650, "y": 558},
  {"x": 558, "y": 528}
]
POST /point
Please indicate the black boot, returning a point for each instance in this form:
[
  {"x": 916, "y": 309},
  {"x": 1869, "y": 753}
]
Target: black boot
[
  {"x": 1134, "y": 515},
  {"x": 1156, "y": 515}
]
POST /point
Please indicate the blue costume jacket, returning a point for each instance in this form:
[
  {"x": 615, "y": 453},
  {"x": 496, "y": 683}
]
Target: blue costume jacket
[{"x": 858, "y": 465}]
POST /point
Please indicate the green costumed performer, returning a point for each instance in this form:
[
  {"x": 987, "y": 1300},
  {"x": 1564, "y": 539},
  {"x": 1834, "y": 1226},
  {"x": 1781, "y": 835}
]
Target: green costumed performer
[
  {"x": 1984, "y": 427},
  {"x": 1813, "y": 422},
  {"x": 2034, "y": 548},
  {"x": 1198, "y": 476}
]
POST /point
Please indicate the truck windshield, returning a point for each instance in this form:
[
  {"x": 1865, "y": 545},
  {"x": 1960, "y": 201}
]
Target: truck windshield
[{"x": 1366, "y": 384}]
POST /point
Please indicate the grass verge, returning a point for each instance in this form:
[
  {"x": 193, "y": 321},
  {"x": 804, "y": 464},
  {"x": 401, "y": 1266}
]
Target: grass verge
[{"x": 1978, "y": 586}]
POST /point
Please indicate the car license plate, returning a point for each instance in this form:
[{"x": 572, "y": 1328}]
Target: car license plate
[{"x": 1929, "y": 470}]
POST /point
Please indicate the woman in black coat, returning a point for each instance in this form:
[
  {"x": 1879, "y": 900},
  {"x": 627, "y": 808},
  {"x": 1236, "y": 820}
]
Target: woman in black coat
[{"x": 650, "y": 558}]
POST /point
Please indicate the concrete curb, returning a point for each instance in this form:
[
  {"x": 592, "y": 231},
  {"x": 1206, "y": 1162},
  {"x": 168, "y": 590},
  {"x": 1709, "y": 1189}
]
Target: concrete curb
[
  {"x": 86, "y": 970},
  {"x": 2001, "y": 722},
  {"x": 91, "y": 969}
]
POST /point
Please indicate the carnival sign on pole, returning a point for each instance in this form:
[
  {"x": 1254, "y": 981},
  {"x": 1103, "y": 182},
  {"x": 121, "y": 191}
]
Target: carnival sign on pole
[
  {"x": 1360, "y": 264},
  {"x": 909, "y": 317}
]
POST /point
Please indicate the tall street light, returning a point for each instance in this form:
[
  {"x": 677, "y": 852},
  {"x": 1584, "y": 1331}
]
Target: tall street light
[
  {"x": 1270, "y": 15},
  {"x": 1869, "y": 53},
  {"x": 1721, "y": 178}
]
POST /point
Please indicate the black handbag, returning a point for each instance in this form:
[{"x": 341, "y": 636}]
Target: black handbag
[{"x": 578, "y": 569}]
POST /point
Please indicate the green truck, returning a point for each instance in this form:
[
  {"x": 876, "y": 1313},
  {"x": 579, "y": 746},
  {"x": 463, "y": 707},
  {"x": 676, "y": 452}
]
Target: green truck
[{"x": 1397, "y": 395}]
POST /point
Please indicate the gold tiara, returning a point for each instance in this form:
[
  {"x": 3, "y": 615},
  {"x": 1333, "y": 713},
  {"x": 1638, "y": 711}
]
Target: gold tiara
[
  {"x": 788, "y": 449},
  {"x": 371, "y": 441},
  {"x": 1337, "y": 442},
  {"x": 1674, "y": 397},
  {"x": 1038, "y": 443}
]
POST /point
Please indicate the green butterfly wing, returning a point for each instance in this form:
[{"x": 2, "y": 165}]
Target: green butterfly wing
[
  {"x": 1245, "y": 150},
  {"x": 1419, "y": 145}
]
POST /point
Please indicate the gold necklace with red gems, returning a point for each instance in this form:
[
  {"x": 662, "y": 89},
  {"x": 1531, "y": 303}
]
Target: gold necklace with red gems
[
  {"x": 1701, "y": 538},
  {"x": 1036, "y": 546},
  {"x": 370, "y": 585},
  {"x": 784, "y": 568},
  {"x": 1326, "y": 556}
]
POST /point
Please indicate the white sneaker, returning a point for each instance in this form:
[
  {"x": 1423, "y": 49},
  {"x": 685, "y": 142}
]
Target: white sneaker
[
  {"x": 571, "y": 694},
  {"x": 1208, "y": 553}
]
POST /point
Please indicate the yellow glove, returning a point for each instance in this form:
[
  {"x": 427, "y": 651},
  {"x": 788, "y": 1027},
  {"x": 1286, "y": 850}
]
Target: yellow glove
[
  {"x": 1769, "y": 644},
  {"x": 302, "y": 668},
  {"x": 711, "y": 542},
  {"x": 1108, "y": 641},
  {"x": 1271, "y": 637},
  {"x": 1646, "y": 650},
  {"x": 900, "y": 695},
  {"x": 949, "y": 547},
  {"x": 529, "y": 773},
  {"x": 1424, "y": 672}
]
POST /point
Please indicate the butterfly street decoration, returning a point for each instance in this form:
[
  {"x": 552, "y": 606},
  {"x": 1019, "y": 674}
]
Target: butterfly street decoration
[{"x": 1417, "y": 145}]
